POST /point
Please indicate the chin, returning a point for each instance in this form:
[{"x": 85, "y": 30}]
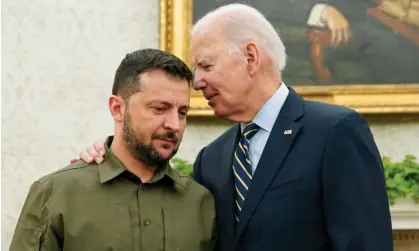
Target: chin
[
  {"x": 165, "y": 153},
  {"x": 228, "y": 115},
  {"x": 220, "y": 112}
]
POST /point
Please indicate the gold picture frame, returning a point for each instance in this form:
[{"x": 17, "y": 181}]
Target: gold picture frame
[{"x": 176, "y": 21}]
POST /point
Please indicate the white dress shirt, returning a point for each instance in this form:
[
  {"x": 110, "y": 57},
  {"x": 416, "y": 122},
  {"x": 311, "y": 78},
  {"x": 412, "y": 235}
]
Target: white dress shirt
[{"x": 265, "y": 119}]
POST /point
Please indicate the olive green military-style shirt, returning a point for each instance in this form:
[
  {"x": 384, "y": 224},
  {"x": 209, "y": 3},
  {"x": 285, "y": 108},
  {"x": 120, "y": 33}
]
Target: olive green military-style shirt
[{"x": 104, "y": 207}]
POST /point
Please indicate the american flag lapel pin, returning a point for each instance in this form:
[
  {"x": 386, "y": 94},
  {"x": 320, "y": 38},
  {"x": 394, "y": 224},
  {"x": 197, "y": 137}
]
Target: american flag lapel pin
[{"x": 287, "y": 132}]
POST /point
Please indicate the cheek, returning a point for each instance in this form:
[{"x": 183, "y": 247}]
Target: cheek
[
  {"x": 143, "y": 134},
  {"x": 145, "y": 129},
  {"x": 182, "y": 129},
  {"x": 238, "y": 73},
  {"x": 230, "y": 84},
  {"x": 208, "y": 77},
  {"x": 216, "y": 80}
]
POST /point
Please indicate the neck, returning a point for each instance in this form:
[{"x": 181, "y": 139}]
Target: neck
[
  {"x": 257, "y": 97},
  {"x": 141, "y": 169}
]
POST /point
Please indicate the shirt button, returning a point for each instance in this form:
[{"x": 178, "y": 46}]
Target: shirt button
[{"x": 146, "y": 222}]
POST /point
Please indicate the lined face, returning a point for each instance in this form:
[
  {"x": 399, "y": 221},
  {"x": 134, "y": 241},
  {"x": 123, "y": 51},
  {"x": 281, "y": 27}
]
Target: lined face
[
  {"x": 222, "y": 76},
  {"x": 155, "y": 117}
]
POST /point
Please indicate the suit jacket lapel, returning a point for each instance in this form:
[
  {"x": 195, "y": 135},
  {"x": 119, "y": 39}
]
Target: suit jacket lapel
[
  {"x": 227, "y": 191},
  {"x": 275, "y": 151}
]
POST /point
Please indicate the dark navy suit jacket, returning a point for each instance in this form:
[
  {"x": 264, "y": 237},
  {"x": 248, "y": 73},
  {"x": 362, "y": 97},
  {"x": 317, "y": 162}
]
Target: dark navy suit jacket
[{"x": 321, "y": 187}]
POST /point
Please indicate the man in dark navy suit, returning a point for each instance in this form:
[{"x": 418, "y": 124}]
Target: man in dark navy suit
[{"x": 291, "y": 175}]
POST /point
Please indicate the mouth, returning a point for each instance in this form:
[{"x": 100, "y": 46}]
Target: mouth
[
  {"x": 169, "y": 141},
  {"x": 209, "y": 96},
  {"x": 211, "y": 99}
]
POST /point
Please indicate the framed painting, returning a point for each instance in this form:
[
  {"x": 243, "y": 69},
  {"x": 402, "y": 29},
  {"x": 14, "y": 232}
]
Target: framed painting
[{"x": 372, "y": 65}]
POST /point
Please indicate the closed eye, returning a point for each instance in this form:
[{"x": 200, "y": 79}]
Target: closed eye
[
  {"x": 207, "y": 67},
  {"x": 159, "y": 109}
]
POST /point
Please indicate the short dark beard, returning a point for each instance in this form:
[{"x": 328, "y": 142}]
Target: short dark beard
[{"x": 145, "y": 152}]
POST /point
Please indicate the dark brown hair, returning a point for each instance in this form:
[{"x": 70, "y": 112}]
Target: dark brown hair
[{"x": 127, "y": 75}]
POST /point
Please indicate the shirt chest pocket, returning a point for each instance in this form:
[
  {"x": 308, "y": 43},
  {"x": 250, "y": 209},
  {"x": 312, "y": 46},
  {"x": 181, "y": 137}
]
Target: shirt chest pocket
[
  {"x": 184, "y": 231},
  {"x": 101, "y": 230}
]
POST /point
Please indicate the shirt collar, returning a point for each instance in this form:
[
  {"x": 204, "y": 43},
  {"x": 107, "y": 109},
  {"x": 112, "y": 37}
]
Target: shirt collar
[
  {"x": 267, "y": 115},
  {"x": 112, "y": 167}
]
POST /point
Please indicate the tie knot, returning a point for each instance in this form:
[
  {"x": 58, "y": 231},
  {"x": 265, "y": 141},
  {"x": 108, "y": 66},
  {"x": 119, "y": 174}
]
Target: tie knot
[{"x": 250, "y": 130}]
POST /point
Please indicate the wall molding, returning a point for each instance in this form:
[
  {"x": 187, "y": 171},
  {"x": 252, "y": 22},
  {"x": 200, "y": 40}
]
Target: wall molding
[{"x": 406, "y": 235}]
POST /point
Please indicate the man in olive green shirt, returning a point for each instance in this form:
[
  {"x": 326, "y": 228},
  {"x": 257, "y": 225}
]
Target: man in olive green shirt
[{"x": 133, "y": 200}]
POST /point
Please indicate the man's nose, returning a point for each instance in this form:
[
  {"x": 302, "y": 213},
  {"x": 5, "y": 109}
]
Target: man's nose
[
  {"x": 172, "y": 122},
  {"x": 198, "y": 83}
]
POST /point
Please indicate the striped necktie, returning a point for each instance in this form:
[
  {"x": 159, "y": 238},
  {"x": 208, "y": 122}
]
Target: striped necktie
[{"x": 242, "y": 167}]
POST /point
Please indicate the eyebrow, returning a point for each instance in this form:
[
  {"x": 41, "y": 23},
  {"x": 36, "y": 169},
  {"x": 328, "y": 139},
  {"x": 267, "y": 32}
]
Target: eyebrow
[
  {"x": 166, "y": 103},
  {"x": 205, "y": 61}
]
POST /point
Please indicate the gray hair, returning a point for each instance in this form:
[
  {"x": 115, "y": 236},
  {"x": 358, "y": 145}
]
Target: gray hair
[{"x": 242, "y": 23}]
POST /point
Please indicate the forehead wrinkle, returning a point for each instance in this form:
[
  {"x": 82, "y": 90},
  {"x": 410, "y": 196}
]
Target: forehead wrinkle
[
  {"x": 205, "y": 60},
  {"x": 167, "y": 103},
  {"x": 203, "y": 44},
  {"x": 205, "y": 54}
]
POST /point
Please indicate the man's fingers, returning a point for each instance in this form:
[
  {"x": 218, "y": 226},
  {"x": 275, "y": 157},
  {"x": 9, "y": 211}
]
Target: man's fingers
[
  {"x": 339, "y": 37},
  {"x": 100, "y": 148},
  {"x": 347, "y": 34},
  {"x": 92, "y": 151},
  {"x": 343, "y": 34},
  {"x": 86, "y": 157},
  {"x": 98, "y": 160},
  {"x": 333, "y": 34}
]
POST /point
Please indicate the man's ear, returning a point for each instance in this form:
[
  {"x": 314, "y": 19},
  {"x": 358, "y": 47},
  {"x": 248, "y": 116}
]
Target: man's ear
[
  {"x": 252, "y": 54},
  {"x": 117, "y": 108}
]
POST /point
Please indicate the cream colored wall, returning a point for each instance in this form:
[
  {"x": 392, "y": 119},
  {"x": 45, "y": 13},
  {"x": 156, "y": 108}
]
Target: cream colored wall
[
  {"x": 58, "y": 61},
  {"x": 397, "y": 138}
]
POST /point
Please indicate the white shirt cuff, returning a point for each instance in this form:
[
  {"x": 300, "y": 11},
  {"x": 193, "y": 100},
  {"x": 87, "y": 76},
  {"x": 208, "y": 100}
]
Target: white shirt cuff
[{"x": 315, "y": 16}]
